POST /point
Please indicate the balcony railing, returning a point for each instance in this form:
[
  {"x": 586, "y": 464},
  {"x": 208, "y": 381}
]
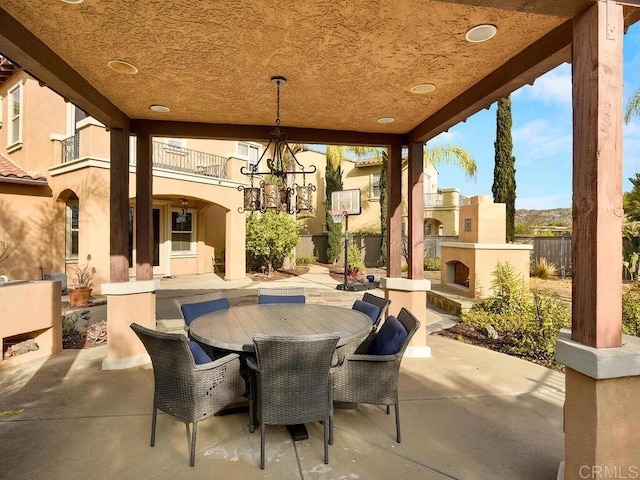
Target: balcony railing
[
  {"x": 442, "y": 200},
  {"x": 70, "y": 148},
  {"x": 433, "y": 199},
  {"x": 167, "y": 156},
  {"x": 181, "y": 159}
]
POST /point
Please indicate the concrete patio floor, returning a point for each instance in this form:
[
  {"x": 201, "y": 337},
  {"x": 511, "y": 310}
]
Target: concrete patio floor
[{"x": 466, "y": 413}]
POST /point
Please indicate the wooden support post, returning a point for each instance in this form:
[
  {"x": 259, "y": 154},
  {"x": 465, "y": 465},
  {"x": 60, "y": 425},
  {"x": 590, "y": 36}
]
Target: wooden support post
[
  {"x": 119, "y": 206},
  {"x": 144, "y": 208},
  {"x": 416, "y": 210},
  {"x": 394, "y": 211},
  {"x": 597, "y": 176}
]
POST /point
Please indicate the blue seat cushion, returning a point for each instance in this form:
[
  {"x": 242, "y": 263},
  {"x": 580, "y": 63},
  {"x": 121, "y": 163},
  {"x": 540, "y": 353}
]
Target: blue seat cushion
[
  {"x": 389, "y": 338},
  {"x": 199, "y": 355},
  {"x": 367, "y": 308},
  {"x": 191, "y": 311},
  {"x": 264, "y": 299}
]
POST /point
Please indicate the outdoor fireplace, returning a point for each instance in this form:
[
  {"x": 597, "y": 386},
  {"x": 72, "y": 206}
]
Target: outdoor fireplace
[
  {"x": 458, "y": 273},
  {"x": 467, "y": 265}
]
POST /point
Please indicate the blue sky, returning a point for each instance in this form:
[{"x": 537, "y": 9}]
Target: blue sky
[{"x": 542, "y": 138}]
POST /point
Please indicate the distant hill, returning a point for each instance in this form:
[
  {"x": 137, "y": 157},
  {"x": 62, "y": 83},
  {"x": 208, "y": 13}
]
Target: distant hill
[{"x": 554, "y": 216}]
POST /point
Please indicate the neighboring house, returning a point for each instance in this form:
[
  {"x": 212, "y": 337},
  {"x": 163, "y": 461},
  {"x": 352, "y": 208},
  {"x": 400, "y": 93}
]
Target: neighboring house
[
  {"x": 441, "y": 206},
  {"x": 54, "y": 191}
]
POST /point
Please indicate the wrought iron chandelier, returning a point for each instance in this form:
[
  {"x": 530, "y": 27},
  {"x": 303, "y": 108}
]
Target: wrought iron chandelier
[{"x": 275, "y": 189}]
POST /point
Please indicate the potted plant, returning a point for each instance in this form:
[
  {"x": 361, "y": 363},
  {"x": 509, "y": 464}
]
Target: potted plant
[{"x": 81, "y": 292}]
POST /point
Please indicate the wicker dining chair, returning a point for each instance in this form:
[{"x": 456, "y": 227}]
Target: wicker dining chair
[
  {"x": 281, "y": 295},
  {"x": 381, "y": 303},
  {"x": 184, "y": 389},
  {"x": 373, "y": 379},
  {"x": 194, "y": 299},
  {"x": 293, "y": 376}
]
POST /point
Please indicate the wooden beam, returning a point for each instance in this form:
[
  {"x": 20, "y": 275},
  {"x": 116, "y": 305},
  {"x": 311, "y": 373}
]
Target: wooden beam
[
  {"x": 23, "y": 47},
  {"x": 597, "y": 177},
  {"x": 542, "y": 56},
  {"x": 144, "y": 209},
  {"x": 261, "y": 133},
  {"x": 119, "y": 206},
  {"x": 416, "y": 210},
  {"x": 394, "y": 215}
]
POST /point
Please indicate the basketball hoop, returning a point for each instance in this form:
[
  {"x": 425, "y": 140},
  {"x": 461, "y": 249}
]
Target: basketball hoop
[{"x": 337, "y": 215}]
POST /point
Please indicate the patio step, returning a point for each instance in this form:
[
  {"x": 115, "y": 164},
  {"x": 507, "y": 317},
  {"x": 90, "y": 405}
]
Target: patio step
[{"x": 448, "y": 301}]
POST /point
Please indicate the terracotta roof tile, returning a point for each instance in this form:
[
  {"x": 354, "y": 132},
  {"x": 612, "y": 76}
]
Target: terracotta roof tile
[{"x": 9, "y": 170}]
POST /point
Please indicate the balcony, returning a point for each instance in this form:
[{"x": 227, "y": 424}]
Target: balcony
[
  {"x": 446, "y": 198},
  {"x": 169, "y": 157}
]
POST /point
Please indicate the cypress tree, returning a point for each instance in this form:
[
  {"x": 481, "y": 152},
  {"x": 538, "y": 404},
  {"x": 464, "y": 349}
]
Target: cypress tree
[
  {"x": 333, "y": 178},
  {"x": 504, "y": 172}
]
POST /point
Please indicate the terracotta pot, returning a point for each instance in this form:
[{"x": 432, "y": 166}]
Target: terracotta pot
[{"x": 79, "y": 297}]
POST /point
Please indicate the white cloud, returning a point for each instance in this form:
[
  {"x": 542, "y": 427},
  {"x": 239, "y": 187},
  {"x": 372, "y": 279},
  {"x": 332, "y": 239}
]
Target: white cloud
[
  {"x": 553, "y": 87},
  {"x": 449, "y": 137},
  {"x": 540, "y": 139}
]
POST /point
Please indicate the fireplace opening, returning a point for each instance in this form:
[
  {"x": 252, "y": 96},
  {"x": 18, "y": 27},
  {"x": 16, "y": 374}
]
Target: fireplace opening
[{"x": 457, "y": 273}]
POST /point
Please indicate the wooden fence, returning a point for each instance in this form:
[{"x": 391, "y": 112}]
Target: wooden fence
[{"x": 556, "y": 250}]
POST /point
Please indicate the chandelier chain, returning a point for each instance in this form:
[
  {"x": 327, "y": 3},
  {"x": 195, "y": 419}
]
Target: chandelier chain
[{"x": 278, "y": 103}]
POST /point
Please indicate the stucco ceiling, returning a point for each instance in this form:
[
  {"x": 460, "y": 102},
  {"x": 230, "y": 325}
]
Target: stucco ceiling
[{"x": 348, "y": 63}]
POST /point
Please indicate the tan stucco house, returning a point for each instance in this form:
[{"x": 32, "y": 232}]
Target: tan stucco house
[
  {"x": 441, "y": 205},
  {"x": 54, "y": 177}
]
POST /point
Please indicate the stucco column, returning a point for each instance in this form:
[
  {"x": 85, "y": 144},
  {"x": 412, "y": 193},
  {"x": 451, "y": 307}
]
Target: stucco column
[
  {"x": 602, "y": 428},
  {"x": 127, "y": 302},
  {"x": 235, "y": 266}
]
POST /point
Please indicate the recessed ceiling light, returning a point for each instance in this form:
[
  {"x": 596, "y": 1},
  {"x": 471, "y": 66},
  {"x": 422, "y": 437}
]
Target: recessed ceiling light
[
  {"x": 386, "y": 120},
  {"x": 159, "y": 108},
  {"x": 73, "y": 1},
  {"x": 121, "y": 66},
  {"x": 481, "y": 33},
  {"x": 423, "y": 88}
]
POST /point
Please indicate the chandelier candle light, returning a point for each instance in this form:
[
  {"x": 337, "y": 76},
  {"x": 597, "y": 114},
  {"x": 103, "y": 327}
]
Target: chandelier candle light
[{"x": 277, "y": 191}]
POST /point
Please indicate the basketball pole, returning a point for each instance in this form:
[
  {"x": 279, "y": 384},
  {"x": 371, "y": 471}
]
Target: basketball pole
[{"x": 346, "y": 249}]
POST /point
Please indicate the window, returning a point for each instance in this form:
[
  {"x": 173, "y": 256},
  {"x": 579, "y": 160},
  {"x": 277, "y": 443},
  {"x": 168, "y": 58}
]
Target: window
[
  {"x": 14, "y": 116},
  {"x": 74, "y": 115},
  {"x": 252, "y": 154},
  {"x": 182, "y": 233},
  {"x": 72, "y": 229},
  {"x": 375, "y": 186}
]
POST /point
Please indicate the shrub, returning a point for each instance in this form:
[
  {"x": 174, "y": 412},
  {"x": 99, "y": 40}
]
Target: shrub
[
  {"x": 631, "y": 311},
  {"x": 271, "y": 237},
  {"x": 530, "y": 321},
  {"x": 544, "y": 269},
  {"x": 354, "y": 257},
  {"x": 540, "y": 327},
  {"x": 432, "y": 264},
  {"x": 69, "y": 324},
  {"x": 305, "y": 260}
]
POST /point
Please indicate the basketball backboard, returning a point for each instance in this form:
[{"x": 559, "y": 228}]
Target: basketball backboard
[{"x": 347, "y": 201}]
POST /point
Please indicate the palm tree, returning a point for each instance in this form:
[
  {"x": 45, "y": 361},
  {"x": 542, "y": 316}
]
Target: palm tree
[{"x": 633, "y": 106}]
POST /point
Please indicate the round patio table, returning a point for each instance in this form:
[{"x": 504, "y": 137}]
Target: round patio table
[{"x": 233, "y": 328}]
